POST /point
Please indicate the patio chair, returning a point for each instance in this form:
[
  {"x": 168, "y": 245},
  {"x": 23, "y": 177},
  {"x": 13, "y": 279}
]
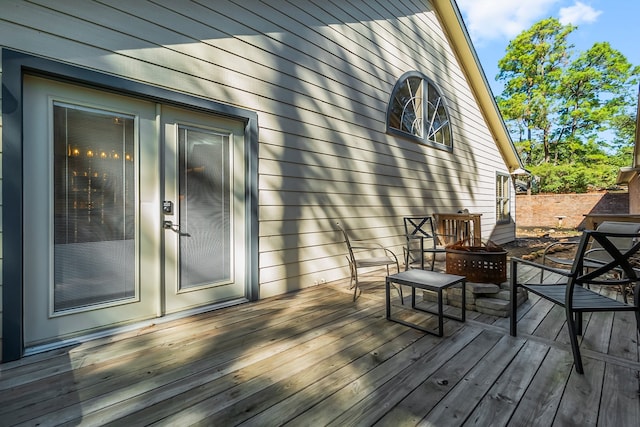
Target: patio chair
[
  {"x": 421, "y": 239},
  {"x": 361, "y": 255},
  {"x": 573, "y": 294},
  {"x": 595, "y": 255}
]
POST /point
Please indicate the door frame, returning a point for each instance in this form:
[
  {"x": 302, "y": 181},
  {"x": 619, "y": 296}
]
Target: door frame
[{"x": 14, "y": 66}]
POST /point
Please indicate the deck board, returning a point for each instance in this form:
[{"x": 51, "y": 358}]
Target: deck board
[
  {"x": 506, "y": 392},
  {"x": 460, "y": 402},
  {"x": 619, "y": 407},
  {"x": 315, "y": 357},
  {"x": 624, "y": 344},
  {"x": 411, "y": 409},
  {"x": 539, "y": 404},
  {"x": 580, "y": 402},
  {"x": 382, "y": 397}
]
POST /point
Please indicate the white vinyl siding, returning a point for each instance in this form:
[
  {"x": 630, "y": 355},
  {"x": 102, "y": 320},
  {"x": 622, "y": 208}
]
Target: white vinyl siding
[{"x": 319, "y": 75}]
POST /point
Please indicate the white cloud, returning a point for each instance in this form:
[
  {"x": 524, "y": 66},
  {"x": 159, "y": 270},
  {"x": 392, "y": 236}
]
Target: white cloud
[
  {"x": 489, "y": 20},
  {"x": 578, "y": 13},
  {"x": 501, "y": 19}
]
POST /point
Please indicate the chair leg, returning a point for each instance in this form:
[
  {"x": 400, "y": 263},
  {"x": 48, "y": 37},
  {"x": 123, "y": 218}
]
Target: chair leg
[
  {"x": 353, "y": 281},
  {"x": 578, "y": 323},
  {"x": 353, "y": 274},
  {"x": 398, "y": 287},
  {"x": 355, "y": 286},
  {"x": 356, "y": 283},
  {"x": 513, "y": 321},
  {"x": 406, "y": 259},
  {"x": 573, "y": 338}
]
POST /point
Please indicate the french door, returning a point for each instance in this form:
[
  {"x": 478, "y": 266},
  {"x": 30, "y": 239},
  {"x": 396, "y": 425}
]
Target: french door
[
  {"x": 132, "y": 210},
  {"x": 202, "y": 220}
]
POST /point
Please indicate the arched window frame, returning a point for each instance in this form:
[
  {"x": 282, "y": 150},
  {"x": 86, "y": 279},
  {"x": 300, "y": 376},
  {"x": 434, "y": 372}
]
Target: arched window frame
[{"x": 425, "y": 115}]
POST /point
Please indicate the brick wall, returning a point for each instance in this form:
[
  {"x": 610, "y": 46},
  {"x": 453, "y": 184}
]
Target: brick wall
[{"x": 544, "y": 210}]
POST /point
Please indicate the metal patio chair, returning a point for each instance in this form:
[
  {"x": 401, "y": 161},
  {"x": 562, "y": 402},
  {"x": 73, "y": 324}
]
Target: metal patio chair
[
  {"x": 367, "y": 254},
  {"x": 595, "y": 255},
  {"x": 422, "y": 240},
  {"x": 573, "y": 293}
]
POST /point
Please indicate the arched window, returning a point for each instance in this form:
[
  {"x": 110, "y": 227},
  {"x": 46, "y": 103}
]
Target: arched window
[{"x": 417, "y": 110}]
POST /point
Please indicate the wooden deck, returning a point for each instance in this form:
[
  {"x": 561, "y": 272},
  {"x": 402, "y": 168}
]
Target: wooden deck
[{"x": 316, "y": 358}]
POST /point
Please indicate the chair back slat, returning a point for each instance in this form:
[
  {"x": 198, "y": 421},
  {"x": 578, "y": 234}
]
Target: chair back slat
[
  {"x": 618, "y": 249},
  {"x": 619, "y": 259},
  {"x": 419, "y": 226},
  {"x": 598, "y": 254}
]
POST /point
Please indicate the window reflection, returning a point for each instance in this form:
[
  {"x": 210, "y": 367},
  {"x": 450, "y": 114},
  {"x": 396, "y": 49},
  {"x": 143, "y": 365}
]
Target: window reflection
[{"x": 417, "y": 110}]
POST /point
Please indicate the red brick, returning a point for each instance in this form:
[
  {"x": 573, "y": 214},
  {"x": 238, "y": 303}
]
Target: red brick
[{"x": 545, "y": 210}]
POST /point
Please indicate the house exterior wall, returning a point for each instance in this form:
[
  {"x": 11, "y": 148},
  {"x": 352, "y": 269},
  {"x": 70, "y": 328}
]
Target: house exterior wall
[
  {"x": 319, "y": 76},
  {"x": 634, "y": 195}
]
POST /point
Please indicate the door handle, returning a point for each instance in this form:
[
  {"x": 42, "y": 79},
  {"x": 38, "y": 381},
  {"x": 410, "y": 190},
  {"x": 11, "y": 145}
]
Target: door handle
[{"x": 169, "y": 225}]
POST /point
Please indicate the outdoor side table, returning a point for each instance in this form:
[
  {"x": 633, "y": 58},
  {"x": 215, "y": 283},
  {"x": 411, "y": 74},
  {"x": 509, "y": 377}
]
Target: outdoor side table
[{"x": 427, "y": 280}]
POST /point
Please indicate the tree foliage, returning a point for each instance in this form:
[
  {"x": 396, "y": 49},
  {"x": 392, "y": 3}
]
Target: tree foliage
[{"x": 571, "y": 114}]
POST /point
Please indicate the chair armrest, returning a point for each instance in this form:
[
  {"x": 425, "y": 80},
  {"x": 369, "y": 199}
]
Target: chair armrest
[
  {"x": 366, "y": 248},
  {"x": 596, "y": 251},
  {"x": 363, "y": 244},
  {"x": 390, "y": 252},
  {"x": 373, "y": 246},
  {"x": 544, "y": 267},
  {"x": 553, "y": 245}
]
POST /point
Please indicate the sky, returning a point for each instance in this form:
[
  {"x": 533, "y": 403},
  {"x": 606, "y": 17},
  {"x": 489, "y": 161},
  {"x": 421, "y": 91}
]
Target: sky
[{"x": 493, "y": 23}]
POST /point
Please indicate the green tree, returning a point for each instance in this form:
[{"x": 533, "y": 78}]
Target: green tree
[
  {"x": 594, "y": 93},
  {"x": 567, "y": 114},
  {"x": 532, "y": 73}
]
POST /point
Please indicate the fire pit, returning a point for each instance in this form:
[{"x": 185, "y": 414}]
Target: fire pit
[{"x": 480, "y": 264}]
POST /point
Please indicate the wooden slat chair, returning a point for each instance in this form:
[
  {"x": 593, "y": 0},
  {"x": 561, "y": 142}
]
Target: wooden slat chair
[
  {"x": 573, "y": 293},
  {"x": 421, "y": 239},
  {"x": 367, "y": 254}
]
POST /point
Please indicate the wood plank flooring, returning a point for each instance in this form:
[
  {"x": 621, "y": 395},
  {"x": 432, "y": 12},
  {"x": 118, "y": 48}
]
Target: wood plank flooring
[{"x": 315, "y": 357}]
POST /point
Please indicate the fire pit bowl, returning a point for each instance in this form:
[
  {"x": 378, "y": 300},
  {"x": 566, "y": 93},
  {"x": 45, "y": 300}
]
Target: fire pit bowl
[{"x": 479, "y": 264}]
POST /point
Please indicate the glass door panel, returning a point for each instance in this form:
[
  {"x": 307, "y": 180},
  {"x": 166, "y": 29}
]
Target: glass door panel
[
  {"x": 205, "y": 209},
  {"x": 94, "y": 206}
]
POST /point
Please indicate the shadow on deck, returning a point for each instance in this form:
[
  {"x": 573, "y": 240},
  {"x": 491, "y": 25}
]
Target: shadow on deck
[{"x": 315, "y": 357}]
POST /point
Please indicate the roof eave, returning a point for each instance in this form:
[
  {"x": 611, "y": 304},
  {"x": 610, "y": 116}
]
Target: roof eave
[
  {"x": 625, "y": 175},
  {"x": 462, "y": 46}
]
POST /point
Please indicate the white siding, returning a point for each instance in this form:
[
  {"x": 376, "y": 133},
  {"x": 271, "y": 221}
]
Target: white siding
[{"x": 319, "y": 75}]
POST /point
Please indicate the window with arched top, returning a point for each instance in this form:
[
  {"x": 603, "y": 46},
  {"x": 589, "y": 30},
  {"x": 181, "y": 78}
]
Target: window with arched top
[{"x": 417, "y": 110}]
